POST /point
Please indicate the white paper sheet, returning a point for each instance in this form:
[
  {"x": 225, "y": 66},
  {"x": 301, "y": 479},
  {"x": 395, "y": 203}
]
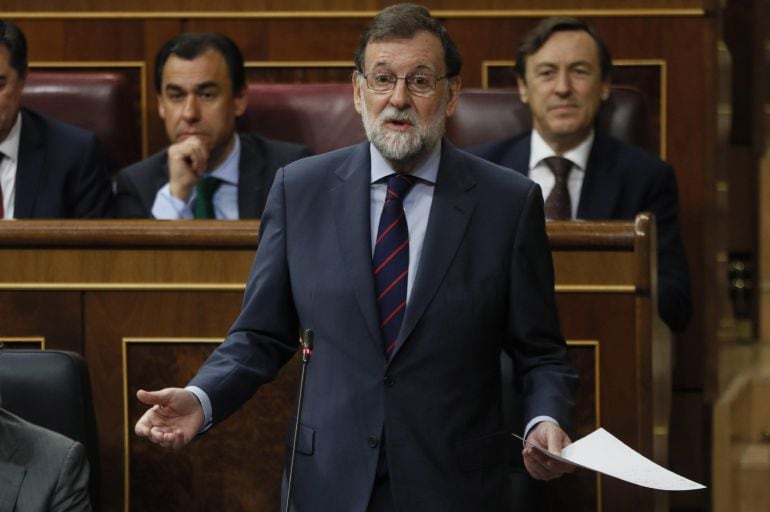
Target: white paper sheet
[{"x": 601, "y": 451}]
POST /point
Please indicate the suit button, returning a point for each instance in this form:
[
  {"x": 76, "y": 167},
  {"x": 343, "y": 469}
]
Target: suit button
[
  {"x": 388, "y": 380},
  {"x": 374, "y": 442}
]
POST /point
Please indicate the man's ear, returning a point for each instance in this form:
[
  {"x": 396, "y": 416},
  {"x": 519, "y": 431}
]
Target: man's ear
[
  {"x": 455, "y": 84},
  {"x": 161, "y": 107},
  {"x": 355, "y": 77},
  {"x": 241, "y": 100},
  {"x": 523, "y": 91},
  {"x": 356, "y": 90},
  {"x": 606, "y": 89}
]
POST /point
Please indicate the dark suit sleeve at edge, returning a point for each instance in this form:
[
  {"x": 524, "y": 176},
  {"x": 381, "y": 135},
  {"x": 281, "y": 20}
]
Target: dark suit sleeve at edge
[
  {"x": 94, "y": 198},
  {"x": 128, "y": 201},
  {"x": 541, "y": 366},
  {"x": 264, "y": 336}
]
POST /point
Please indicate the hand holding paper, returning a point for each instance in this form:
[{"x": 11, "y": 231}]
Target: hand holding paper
[
  {"x": 601, "y": 451},
  {"x": 539, "y": 465}
]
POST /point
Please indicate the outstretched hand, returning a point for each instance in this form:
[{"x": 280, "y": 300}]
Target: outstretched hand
[
  {"x": 550, "y": 436},
  {"x": 174, "y": 419}
]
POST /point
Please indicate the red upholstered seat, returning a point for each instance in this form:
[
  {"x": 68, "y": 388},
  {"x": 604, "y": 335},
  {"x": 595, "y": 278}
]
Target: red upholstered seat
[
  {"x": 323, "y": 117},
  {"x": 100, "y": 102},
  {"x": 485, "y": 115}
]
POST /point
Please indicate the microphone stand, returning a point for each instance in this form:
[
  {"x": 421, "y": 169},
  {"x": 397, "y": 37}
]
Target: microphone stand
[{"x": 307, "y": 351}]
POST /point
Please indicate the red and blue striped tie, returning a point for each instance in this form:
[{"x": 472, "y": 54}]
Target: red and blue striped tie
[{"x": 391, "y": 260}]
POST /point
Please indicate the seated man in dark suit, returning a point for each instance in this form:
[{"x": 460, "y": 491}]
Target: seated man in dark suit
[
  {"x": 563, "y": 71},
  {"x": 48, "y": 169},
  {"x": 208, "y": 171},
  {"x": 40, "y": 470}
]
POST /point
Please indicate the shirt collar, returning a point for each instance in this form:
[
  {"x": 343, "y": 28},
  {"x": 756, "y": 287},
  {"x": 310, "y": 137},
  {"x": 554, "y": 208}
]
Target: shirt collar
[
  {"x": 10, "y": 146},
  {"x": 427, "y": 171},
  {"x": 228, "y": 170},
  {"x": 577, "y": 155}
]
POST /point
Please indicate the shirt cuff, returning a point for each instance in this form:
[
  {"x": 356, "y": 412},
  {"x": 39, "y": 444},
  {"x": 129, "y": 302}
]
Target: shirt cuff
[
  {"x": 168, "y": 207},
  {"x": 537, "y": 419},
  {"x": 203, "y": 398}
]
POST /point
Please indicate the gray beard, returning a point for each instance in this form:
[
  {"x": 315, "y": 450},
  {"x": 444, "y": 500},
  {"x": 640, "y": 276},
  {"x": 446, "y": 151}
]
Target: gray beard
[{"x": 401, "y": 146}]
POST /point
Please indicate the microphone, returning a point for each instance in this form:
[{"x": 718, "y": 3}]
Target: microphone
[{"x": 307, "y": 351}]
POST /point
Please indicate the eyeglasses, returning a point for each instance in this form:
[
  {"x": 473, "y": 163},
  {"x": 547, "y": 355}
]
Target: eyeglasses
[{"x": 418, "y": 83}]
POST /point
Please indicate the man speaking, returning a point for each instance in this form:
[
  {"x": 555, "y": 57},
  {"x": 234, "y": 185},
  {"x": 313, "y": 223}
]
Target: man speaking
[{"x": 414, "y": 264}]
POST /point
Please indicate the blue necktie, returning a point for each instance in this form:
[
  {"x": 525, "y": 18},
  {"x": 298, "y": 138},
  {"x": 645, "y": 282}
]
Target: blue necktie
[{"x": 391, "y": 260}]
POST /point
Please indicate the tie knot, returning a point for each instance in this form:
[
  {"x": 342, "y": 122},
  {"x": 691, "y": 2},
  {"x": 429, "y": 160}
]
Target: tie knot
[
  {"x": 399, "y": 185},
  {"x": 207, "y": 185},
  {"x": 559, "y": 166}
]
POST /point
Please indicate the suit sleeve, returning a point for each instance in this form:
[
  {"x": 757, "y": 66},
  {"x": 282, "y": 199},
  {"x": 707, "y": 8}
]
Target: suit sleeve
[
  {"x": 128, "y": 201},
  {"x": 93, "y": 194},
  {"x": 265, "y": 334},
  {"x": 71, "y": 492},
  {"x": 542, "y": 369}
]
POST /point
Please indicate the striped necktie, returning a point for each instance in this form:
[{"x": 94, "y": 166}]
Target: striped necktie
[{"x": 391, "y": 260}]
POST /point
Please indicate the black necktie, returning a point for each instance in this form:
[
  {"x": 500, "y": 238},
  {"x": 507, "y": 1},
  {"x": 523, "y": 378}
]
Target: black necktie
[
  {"x": 558, "y": 205},
  {"x": 391, "y": 260},
  {"x": 204, "y": 195}
]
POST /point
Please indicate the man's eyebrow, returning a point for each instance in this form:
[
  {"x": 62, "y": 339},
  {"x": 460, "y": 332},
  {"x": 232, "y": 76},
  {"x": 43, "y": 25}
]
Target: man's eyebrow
[
  {"x": 173, "y": 88},
  {"x": 206, "y": 85},
  {"x": 419, "y": 68}
]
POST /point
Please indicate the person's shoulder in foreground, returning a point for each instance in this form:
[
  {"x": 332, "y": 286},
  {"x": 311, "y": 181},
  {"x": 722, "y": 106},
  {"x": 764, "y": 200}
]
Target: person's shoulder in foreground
[{"x": 40, "y": 469}]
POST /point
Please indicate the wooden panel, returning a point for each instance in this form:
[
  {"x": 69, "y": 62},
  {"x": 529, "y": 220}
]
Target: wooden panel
[
  {"x": 364, "y": 7},
  {"x": 35, "y": 319},
  {"x": 222, "y": 469},
  {"x": 115, "y": 318}
]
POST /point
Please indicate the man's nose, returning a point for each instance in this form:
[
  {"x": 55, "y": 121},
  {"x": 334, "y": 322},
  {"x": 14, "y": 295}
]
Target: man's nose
[
  {"x": 563, "y": 84},
  {"x": 191, "y": 109},
  {"x": 400, "y": 96}
]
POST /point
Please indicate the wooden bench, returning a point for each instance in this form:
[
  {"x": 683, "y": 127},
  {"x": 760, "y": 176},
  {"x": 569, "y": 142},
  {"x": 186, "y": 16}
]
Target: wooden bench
[{"x": 147, "y": 301}]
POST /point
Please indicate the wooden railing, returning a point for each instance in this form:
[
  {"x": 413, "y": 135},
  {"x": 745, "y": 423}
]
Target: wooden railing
[{"x": 147, "y": 301}]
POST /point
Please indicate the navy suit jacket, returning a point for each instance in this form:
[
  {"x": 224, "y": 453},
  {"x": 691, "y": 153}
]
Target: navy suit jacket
[
  {"x": 622, "y": 180},
  {"x": 61, "y": 171},
  {"x": 138, "y": 184},
  {"x": 485, "y": 283},
  {"x": 40, "y": 469}
]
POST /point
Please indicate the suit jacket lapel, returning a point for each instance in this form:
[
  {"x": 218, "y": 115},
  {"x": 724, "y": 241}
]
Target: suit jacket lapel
[
  {"x": 31, "y": 169},
  {"x": 250, "y": 180},
  {"x": 602, "y": 182},
  {"x": 450, "y": 213},
  {"x": 350, "y": 200}
]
